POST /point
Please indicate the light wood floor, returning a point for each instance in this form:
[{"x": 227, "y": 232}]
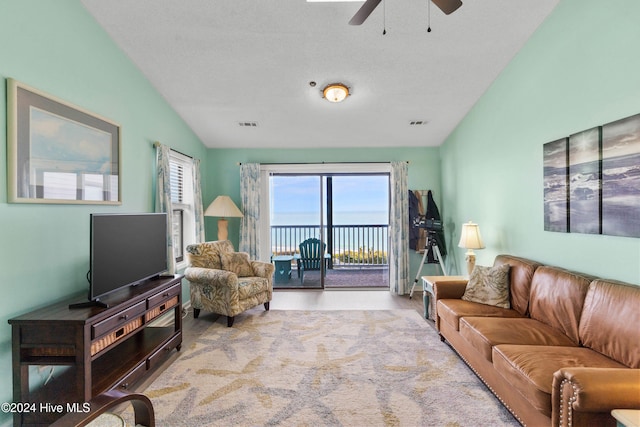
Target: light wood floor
[{"x": 343, "y": 300}]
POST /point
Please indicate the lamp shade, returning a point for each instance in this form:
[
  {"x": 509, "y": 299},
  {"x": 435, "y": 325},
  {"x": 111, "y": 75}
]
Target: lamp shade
[
  {"x": 223, "y": 207},
  {"x": 470, "y": 237}
]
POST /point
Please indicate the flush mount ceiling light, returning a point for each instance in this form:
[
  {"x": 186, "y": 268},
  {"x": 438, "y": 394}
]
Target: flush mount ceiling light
[{"x": 335, "y": 92}]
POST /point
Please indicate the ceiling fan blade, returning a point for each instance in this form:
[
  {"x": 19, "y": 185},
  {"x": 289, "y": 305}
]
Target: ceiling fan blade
[
  {"x": 448, "y": 6},
  {"x": 363, "y": 13}
]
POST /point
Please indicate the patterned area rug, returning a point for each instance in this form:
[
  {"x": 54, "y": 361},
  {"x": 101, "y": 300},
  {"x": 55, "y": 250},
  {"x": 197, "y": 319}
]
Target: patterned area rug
[{"x": 323, "y": 368}]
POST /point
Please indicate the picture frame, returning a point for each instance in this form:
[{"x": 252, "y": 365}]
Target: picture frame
[
  {"x": 58, "y": 152},
  {"x": 592, "y": 180},
  {"x": 556, "y": 185},
  {"x": 621, "y": 177},
  {"x": 585, "y": 182}
]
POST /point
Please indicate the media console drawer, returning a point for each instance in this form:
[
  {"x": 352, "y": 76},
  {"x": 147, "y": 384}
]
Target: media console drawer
[
  {"x": 137, "y": 373},
  {"x": 160, "y": 354},
  {"x": 117, "y": 320},
  {"x": 164, "y": 295}
]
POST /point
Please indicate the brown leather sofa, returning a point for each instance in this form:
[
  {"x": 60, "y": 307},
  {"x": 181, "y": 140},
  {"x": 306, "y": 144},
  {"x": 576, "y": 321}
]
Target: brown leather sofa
[{"x": 566, "y": 353}]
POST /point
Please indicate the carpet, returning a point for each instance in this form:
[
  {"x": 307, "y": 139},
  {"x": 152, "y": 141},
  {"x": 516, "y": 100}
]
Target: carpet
[{"x": 323, "y": 368}]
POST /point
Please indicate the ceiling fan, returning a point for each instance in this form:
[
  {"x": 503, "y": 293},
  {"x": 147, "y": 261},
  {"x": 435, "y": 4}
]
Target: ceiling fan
[{"x": 447, "y": 6}]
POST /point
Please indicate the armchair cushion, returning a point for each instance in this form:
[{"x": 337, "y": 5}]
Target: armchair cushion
[
  {"x": 237, "y": 262},
  {"x": 489, "y": 285},
  {"x": 207, "y": 254}
]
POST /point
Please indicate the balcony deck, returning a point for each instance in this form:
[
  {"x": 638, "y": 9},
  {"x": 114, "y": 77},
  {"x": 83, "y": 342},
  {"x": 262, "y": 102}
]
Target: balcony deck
[
  {"x": 359, "y": 255},
  {"x": 340, "y": 278}
]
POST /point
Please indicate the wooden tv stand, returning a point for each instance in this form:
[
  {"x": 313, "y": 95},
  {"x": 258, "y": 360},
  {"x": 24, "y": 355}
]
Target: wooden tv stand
[{"x": 103, "y": 348}]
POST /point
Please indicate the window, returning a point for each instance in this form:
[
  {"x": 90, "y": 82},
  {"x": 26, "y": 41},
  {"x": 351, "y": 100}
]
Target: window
[
  {"x": 77, "y": 186},
  {"x": 176, "y": 175},
  {"x": 182, "y": 204},
  {"x": 177, "y": 228},
  {"x": 344, "y": 204}
]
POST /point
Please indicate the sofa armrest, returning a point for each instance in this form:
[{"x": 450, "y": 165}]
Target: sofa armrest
[
  {"x": 449, "y": 289},
  {"x": 263, "y": 269},
  {"x": 581, "y": 394},
  {"x": 211, "y": 276}
]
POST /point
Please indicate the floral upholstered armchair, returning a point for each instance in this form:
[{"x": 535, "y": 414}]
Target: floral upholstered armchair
[{"x": 226, "y": 282}]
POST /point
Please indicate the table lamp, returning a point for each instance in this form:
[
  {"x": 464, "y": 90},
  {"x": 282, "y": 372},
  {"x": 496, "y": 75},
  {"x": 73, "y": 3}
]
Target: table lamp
[
  {"x": 223, "y": 207},
  {"x": 470, "y": 239}
]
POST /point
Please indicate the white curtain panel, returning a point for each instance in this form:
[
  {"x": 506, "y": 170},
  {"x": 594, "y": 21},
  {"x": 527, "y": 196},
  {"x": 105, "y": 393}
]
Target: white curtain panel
[
  {"x": 163, "y": 197},
  {"x": 250, "y": 198},
  {"x": 197, "y": 202},
  {"x": 399, "y": 229}
]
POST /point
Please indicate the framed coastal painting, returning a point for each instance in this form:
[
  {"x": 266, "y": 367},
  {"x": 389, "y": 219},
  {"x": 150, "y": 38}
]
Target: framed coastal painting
[
  {"x": 621, "y": 177},
  {"x": 592, "y": 180},
  {"x": 556, "y": 185},
  {"x": 584, "y": 182},
  {"x": 59, "y": 153}
]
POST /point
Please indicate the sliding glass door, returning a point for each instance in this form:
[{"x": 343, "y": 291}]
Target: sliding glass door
[
  {"x": 295, "y": 210},
  {"x": 359, "y": 224},
  {"x": 346, "y": 215}
]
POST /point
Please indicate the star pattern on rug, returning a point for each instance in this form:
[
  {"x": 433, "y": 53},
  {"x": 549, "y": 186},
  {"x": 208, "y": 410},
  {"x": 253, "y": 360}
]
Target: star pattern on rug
[
  {"x": 225, "y": 339},
  {"x": 324, "y": 376},
  {"x": 243, "y": 378},
  {"x": 313, "y": 368}
]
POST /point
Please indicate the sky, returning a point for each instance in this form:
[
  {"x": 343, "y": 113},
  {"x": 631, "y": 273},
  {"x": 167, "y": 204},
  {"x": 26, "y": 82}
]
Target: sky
[{"x": 357, "y": 199}]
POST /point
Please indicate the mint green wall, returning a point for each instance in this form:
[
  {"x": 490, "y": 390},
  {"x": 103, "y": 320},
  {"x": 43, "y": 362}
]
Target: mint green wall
[
  {"x": 57, "y": 47},
  {"x": 579, "y": 70},
  {"x": 424, "y": 173}
]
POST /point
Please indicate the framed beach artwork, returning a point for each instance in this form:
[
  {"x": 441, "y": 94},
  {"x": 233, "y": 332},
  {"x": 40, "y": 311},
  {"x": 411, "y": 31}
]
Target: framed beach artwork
[
  {"x": 621, "y": 177},
  {"x": 592, "y": 180},
  {"x": 556, "y": 185},
  {"x": 59, "y": 153},
  {"x": 584, "y": 182}
]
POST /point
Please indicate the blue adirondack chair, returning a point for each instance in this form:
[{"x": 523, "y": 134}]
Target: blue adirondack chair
[{"x": 311, "y": 256}]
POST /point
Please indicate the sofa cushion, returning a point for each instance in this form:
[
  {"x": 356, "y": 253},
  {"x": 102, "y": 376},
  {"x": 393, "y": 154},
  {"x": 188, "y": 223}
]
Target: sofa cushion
[
  {"x": 451, "y": 310},
  {"x": 489, "y": 285},
  {"x": 237, "y": 262},
  {"x": 485, "y": 332},
  {"x": 610, "y": 320},
  {"x": 557, "y": 297},
  {"x": 520, "y": 276},
  {"x": 529, "y": 369}
]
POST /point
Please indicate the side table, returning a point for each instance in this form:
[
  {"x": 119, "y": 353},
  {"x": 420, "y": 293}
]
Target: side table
[
  {"x": 626, "y": 417},
  {"x": 427, "y": 292},
  {"x": 283, "y": 268}
]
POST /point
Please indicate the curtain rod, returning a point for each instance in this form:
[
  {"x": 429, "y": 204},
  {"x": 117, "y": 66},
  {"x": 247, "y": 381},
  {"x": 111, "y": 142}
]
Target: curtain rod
[
  {"x": 157, "y": 143},
  {"x": 179, "y": 152},
  {"x": 325, "y": 163}
]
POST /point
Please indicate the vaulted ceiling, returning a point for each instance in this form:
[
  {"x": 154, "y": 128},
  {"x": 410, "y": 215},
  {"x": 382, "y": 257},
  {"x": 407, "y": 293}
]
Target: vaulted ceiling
[{"x": 239, "y": 72}]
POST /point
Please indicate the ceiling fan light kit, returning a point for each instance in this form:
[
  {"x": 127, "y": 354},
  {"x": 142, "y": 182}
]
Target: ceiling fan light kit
[{"x": 335, "y": 92}]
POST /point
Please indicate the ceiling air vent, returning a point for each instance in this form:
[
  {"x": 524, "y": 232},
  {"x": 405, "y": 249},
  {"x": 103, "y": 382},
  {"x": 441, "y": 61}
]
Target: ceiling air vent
[
  {"x": 418, "y": 122},
  {"x": 248, "y": 124}
]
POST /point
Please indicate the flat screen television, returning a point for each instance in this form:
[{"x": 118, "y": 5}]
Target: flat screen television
[{"x": 125, "y": 249}]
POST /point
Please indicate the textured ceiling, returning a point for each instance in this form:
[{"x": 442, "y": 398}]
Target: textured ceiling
[{"x": 220, "y": 63}]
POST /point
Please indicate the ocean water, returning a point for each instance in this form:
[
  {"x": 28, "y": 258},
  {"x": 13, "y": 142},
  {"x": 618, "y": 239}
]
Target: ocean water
[
  {"x": 353, "y": 235},
  {"x": 339, "y": 218}
]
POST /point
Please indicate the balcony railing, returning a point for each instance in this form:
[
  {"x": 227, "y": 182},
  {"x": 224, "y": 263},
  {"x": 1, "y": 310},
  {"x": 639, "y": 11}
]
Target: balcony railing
[{"x": 349, "y": 245}]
